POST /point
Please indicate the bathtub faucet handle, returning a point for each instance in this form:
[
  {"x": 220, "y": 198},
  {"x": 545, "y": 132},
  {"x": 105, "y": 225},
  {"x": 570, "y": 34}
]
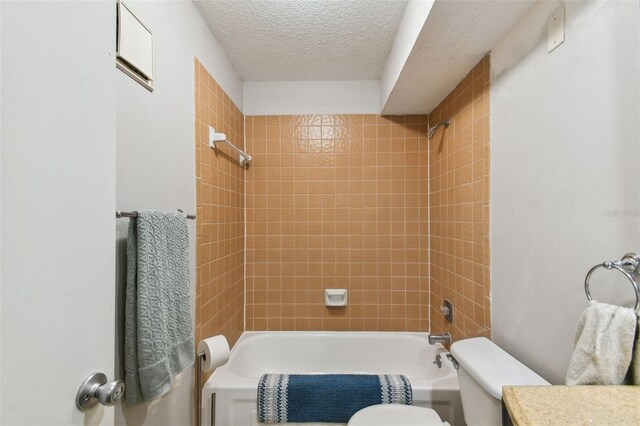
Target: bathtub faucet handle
[{"x": 438, "y": 361}]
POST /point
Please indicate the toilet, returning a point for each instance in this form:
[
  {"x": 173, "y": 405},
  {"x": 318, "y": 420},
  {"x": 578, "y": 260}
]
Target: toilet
[
  {"x": 396, "y": 415},
  {"x": 484, "y": 369}
]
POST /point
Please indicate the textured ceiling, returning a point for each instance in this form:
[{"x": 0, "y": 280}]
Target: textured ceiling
[{"x": 276, "y": 40}]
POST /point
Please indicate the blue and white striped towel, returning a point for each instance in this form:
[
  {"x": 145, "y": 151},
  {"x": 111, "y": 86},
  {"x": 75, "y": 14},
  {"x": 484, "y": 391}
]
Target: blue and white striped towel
[{"x": 326, "y": 398}]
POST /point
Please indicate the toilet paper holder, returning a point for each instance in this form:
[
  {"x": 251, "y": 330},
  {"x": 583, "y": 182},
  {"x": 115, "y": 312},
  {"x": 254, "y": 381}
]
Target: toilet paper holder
[{"x": 208, "y": 359}]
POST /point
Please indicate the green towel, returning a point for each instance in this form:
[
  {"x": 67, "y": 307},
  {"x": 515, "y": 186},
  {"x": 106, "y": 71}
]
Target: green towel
[{"x": 158, "y": 328}]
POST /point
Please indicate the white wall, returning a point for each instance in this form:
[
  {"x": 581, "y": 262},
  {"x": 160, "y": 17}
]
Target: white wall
[
  {"x": 565, "y": 145},
  {"x": 311, "y": 97},
  {"x": 58, "y": 198},
  {"x": 415, "y": 15},
  {"x": 156, "y": 157}
]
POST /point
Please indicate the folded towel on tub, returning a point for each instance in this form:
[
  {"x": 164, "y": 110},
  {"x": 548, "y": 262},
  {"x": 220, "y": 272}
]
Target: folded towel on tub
[
  {"x": 326, "y": 398},
  {"x": 158, "y": 330},
  {"x": 604, "y": 345}
]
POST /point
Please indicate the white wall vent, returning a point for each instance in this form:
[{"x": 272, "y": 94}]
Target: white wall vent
[{"x": 134, "y": 47}]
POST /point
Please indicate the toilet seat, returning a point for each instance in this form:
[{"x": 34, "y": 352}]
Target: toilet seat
[{"x": 395, "y": 415}]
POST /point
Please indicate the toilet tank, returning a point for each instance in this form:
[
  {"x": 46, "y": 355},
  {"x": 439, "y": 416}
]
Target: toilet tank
[{"x": 484, "y": 369}]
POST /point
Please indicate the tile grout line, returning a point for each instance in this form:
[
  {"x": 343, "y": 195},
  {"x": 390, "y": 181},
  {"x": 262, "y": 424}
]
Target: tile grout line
[
  {"x": 429, "y": 232},
  {"x": 244, "y": 215}
]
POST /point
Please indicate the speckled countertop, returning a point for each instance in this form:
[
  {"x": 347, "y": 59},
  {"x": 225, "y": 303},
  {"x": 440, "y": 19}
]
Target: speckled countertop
[{"x": 573, "y": 405}]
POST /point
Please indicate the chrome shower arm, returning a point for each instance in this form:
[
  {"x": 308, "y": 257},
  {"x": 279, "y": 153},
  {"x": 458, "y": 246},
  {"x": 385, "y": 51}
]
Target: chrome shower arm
[{"x": 432, "y": 130}]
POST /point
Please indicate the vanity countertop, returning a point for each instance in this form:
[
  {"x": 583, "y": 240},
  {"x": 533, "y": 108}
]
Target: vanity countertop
[{"x": 572, "y": 405}]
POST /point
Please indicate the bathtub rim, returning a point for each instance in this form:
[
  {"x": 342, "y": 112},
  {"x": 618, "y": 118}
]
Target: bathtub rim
[{"x": 223, "y": 375}]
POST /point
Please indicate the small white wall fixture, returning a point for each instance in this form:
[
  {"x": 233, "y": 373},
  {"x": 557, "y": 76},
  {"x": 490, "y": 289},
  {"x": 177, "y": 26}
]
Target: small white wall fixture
[{"x": 134, "y": 47}]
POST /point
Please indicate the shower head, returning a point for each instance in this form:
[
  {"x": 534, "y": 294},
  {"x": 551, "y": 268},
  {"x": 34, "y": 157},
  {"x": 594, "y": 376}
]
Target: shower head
[{"x": 432, "y": 130}]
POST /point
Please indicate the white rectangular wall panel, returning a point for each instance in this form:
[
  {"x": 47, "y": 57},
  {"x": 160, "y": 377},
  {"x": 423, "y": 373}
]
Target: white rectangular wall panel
[{"x": 135, "y": 42}]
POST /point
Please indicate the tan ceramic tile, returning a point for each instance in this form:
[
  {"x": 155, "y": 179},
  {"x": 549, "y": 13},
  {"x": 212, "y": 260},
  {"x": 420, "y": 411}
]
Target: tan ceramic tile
[
  {"x": 356, "y": 184},
  {"x": 218, "y": 177},
  {"x": 354, "y": 217},
  {"x": 459, "y": 199}
]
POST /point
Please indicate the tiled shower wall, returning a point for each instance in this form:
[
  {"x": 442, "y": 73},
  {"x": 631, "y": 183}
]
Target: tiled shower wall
[
  {"x": 340, "y": 201},
  {"x": 459, "y": 208},
  {"x": 337, "y": 201},
  {"x": 220, "y": 214}
]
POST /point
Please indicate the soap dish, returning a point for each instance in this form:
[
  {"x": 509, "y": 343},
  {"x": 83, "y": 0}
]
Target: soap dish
[{"x": 335, "y": 297}]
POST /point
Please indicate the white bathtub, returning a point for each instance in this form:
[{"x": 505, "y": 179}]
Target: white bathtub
[{"x": 229, "y": 396}]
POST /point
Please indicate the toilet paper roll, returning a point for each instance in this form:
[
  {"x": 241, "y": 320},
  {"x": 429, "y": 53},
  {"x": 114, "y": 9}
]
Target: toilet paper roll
[{"x": 216, "y": 351}]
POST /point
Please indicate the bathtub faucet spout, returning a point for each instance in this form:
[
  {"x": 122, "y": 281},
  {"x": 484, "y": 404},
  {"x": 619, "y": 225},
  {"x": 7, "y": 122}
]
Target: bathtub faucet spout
[{"x": 439, "y": 338}]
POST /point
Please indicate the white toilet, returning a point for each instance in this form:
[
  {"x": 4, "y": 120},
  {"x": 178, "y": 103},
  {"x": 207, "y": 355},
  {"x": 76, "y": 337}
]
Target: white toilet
[{"x": 484, "y": 369}]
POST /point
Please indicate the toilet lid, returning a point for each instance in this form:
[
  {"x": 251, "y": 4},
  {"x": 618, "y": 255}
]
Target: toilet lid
[{"x": 395, "y": 415}]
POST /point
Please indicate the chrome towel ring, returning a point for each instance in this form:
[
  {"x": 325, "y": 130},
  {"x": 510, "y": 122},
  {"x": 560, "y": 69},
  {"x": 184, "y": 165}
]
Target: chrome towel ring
[{"x": 629, "y": 265}]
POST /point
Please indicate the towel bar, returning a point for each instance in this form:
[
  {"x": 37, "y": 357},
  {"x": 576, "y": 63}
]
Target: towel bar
[
  {"x": 215, "y": 137},
  {"x": 120, "y": 214},
  {"x": 629, "y": 265}
]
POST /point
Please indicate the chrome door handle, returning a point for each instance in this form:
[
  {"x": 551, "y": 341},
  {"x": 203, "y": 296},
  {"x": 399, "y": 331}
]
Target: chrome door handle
[{"x": 96, "y": 388}]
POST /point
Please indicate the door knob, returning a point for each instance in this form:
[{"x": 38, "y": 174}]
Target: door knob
[{"x": 96, "y": 388}]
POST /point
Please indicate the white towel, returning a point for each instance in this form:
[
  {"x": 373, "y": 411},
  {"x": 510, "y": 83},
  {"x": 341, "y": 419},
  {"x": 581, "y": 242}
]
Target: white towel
[{"x": 604, "y": 345}]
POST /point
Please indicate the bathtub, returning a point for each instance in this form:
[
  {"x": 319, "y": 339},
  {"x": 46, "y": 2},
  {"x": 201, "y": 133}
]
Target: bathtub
[{"x": 229, "y": 396}]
